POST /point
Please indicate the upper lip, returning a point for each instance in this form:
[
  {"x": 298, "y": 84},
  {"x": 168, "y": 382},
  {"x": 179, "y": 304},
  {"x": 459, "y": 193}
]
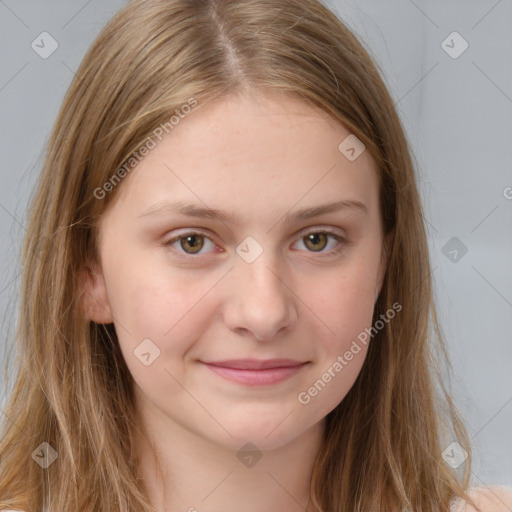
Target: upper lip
[{"x": 255, "y": 364}]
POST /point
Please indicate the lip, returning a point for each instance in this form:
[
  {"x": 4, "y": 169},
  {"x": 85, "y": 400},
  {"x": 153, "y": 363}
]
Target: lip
[{"x": 253, "y": 372}]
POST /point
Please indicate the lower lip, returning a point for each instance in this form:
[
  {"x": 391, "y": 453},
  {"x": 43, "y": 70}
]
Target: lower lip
[{"x": 265, "y": 377}]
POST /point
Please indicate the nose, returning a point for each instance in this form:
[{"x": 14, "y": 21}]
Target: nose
[{"x": 261, "y": 302}]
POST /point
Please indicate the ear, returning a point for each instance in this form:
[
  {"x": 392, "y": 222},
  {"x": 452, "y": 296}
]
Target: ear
[
  {"x": 94, "y": 298},
  {"x": 383, "y": 264}
]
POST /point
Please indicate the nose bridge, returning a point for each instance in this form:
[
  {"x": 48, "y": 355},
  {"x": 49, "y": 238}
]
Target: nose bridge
[
  {"x": 264, "y": 260},
  {"x": 264, "y": 303},
  {"x": 259, "y": 270}
]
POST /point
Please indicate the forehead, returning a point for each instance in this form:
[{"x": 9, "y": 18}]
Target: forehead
[{"x": 254, "y": 155}]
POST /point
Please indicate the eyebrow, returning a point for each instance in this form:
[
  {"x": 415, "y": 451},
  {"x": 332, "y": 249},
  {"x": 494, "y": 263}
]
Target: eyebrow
[{"x": 200, "y": 212}]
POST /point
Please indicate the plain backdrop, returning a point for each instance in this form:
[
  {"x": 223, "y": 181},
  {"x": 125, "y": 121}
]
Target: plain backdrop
[{"x": 454, "y": 95}]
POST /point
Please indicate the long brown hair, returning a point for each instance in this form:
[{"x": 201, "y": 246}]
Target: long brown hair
[{"x": 383, "y": 444}]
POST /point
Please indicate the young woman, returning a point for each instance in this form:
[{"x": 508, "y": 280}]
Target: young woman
[{"x": 226, "y": 299}]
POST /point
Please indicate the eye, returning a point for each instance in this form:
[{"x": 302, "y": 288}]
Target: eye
[
  {"x": 192, "y": 242},
  {"x": 316, "y": 241}
]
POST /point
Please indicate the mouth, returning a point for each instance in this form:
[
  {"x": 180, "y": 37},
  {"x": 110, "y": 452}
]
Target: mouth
[{"x": 252, "y": 372}]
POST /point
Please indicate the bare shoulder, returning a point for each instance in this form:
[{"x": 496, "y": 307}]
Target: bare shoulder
[{"x": 488, "y": 499}]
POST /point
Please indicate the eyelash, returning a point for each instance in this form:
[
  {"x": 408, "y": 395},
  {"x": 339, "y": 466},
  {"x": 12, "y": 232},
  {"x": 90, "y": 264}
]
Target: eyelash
[{"x": 342, "y": 242}]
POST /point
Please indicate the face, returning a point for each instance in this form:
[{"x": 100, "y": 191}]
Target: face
[{"x": 199, "y": 300}]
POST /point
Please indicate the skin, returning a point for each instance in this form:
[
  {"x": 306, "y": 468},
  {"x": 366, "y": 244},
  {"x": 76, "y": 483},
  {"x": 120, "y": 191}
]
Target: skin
[{"x": 259, "y": 156}]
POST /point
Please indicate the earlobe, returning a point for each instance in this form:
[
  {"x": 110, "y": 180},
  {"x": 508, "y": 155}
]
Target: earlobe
[{"x": 94, "y": 297}]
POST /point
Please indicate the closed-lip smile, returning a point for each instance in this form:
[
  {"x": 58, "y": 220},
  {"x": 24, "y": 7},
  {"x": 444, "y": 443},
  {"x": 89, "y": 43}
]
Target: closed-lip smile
[{"x": 255, "y": 372}]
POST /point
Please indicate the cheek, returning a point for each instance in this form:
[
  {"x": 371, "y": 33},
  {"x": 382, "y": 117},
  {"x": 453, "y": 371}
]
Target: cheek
[
  {"x": 168, "y": 309},
  {"x": 346, "y": 306},
  {"x": 344, "y": 303},
  {"x": 162, "y": 325}
]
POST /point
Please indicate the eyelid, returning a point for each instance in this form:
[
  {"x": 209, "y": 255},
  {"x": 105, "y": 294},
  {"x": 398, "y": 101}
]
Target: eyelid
[{"x": 331, "y": 230}]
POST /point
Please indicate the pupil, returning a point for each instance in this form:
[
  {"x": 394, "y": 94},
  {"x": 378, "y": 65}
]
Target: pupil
[
  {"x": 314, "y": 238},
  {"x": 194, "y": 243}
]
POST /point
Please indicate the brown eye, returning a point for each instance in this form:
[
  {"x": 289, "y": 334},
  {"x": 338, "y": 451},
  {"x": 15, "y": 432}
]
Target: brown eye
[
  {"x": 189, "y": 243},
  {"x": 193, "y": 242},
  {"x": 316, "y": 241}
]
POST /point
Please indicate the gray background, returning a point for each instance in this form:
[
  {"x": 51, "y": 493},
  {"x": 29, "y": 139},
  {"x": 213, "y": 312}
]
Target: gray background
[{"x": 458, "y": 116}]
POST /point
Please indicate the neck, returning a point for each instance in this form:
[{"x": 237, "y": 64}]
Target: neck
[{"x": 182, "y": 471}]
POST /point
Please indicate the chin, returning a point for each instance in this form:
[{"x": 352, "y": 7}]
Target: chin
[{"x": 265, "y": 434}]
